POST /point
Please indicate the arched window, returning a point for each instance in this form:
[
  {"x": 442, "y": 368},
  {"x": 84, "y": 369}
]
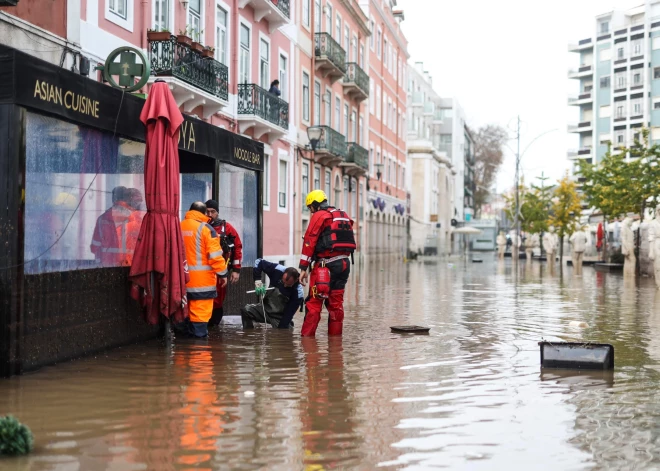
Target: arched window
[{"x": 337, "y": 191}]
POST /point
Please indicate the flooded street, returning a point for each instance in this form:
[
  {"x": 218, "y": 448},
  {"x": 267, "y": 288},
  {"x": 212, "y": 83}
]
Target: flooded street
[{"x": 470, "y": 395}]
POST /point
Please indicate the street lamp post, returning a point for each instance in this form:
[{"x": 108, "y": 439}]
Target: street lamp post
[{"x": 519, "y": 155}]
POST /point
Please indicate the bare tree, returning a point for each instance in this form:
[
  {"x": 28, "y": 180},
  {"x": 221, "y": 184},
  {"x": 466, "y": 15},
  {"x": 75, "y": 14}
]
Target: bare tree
[{"x": 488, "y": 154}]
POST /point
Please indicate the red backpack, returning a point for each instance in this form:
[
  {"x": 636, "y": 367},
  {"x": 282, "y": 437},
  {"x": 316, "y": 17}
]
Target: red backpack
[{"x": 338, "y": 236}]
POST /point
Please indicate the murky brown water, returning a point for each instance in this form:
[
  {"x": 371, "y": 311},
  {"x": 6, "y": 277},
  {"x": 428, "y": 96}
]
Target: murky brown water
[{"x": 470, "y": 395}]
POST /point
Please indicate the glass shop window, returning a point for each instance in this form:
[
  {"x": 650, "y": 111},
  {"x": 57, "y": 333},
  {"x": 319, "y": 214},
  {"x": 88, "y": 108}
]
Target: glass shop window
[{"x": 84, "y": 197}]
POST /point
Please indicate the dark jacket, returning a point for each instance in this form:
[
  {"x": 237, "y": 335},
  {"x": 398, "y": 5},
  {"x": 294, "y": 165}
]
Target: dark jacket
[
  {"x": 295, "y": 293},
  {"x": 275, "y": 91}
]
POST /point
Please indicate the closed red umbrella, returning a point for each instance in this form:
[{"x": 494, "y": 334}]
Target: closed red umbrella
[{"x": 159, "y": 270}]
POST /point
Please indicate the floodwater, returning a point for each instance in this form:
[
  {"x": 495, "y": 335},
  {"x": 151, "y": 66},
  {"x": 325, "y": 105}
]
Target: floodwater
[{"x": 470, "y": 395}]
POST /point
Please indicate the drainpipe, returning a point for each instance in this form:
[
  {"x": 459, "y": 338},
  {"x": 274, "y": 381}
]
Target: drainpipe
[{"x": 145, "y": 25}]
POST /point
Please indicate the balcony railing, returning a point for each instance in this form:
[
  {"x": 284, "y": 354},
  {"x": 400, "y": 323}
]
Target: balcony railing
[
  {"x": 254, "y": 100},
  {"x": 283, "y": 6},
  {"x": 355, "y": 74},
  {"x": 332, "y": 142},
  {"x": 170, "y": 58},
  {"x": 327, "y": 47},
  {"x": 357, "y": 155}
]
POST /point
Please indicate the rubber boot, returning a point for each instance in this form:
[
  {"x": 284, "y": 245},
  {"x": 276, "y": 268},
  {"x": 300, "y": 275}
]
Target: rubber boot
[{"x": 216, "y": 317}]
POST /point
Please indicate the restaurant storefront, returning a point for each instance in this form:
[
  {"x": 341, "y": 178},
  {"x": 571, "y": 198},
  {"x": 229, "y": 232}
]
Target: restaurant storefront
[{"x": 68, "y": 147}]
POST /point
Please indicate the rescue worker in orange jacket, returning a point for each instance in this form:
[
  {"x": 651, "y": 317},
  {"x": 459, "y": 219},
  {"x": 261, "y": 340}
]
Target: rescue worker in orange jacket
[
  {"x": 109, "y": 239},
  {"x": 328, "y": 243},
  {"x": 205, "y": 263}
]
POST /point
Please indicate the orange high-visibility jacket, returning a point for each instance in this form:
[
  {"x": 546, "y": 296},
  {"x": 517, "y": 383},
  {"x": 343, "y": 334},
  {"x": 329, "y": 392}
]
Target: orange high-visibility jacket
[{"x": 203, "y": 254}]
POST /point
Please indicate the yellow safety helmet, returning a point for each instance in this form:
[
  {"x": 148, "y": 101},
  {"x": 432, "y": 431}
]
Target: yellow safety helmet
[{"x": 316, "y": 196}]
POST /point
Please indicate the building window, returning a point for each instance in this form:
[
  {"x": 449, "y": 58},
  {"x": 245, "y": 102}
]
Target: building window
[
  {"x": 317, "y": 16},
  {"x": 372, "y": 107},
  {"x": 244, "y": 66},
  {"x": 264, "y": 64},
  {"x": 363, "y": 140},
  {"x": 304, "y": 185},
  {"x": 118, "y": 7},
  {"x": 194, "y": 19},
  {"x": 337, "y": 192},
  {"x": 637, "y": 78},
  {"x": 354, "y": 127},
  {"x": 362, "y": 55},
  {"x": 328, "y": 108},
  {"x": 317, "y": 103},
  {"x": 317, "y": 178},
  {"x": 284, "y": 77},
  {"x": 656, "y": 103},
  {"x": 328, "y": 19},
  {"x": 281, "y": 200},
  {"x": 605, "y": 82},
  {"x": 636, "y": 106},
  {"x": 371, "y": 160},
  {"x": 620, "y": 111},
  {"x": 379, "y": 40},
  {"x": 305, "y": 97},
  {"x": 265, "y": 182},
  {"x": 161, "y": 14},
  {"x": 604, "y": 27},
  {"x": 385, "y": 53},
  {"x": 656, "y": 43},
  {"x": 620, "y": 80},
  {"x": 619, "y": 53},
  {"x": 327, "y": 183},
  {"x": 338, "y": 29},
  {"x": 637, "y": 47},
  {"x": 305, "y": 12},
  {"x": 378, "y": 103},
  {"x": 347, "y": 44},
  {"x": 656, "y": 72},
  {"x": 372, "y": 25},
  {"x": 221, "y": 35},
  {"x": 347, "y": 204},
  {"x": 346, "y": 121},
  {"x": 353, "y": 197},
  {"x": 338, "y": 114}
]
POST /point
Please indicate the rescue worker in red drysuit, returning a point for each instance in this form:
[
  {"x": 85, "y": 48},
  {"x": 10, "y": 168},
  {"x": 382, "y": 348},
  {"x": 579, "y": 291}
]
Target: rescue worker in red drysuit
[
  {"x": 109, "y": 239},
  {"x": 328, "y": 244},
  {"x": 232, "y": 248}
]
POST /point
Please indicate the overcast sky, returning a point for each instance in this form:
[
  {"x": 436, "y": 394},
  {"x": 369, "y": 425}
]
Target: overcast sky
[{"x": 502, "y": 58}]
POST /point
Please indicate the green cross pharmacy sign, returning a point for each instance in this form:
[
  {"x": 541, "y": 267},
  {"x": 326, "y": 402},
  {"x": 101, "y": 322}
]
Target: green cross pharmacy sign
[{"x": 132, "y": 75}]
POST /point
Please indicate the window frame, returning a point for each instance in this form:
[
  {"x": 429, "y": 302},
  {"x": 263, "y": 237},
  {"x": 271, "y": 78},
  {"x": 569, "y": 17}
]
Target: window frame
[
  {"x": 305, "y": 115},
  {"x": 263, "y": 39},
  {"x": 242, "y": 23},
  {"x": 282, "y": 160},
  {"x": 224, "y": 7},
  {"x": 126, "y": 22}
]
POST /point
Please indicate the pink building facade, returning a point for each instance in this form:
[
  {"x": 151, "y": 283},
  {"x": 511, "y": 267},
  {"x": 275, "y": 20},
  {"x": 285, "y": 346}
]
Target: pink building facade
[
  {"x": 387, "y": 199},
  {"x": 251, "y": 50}
]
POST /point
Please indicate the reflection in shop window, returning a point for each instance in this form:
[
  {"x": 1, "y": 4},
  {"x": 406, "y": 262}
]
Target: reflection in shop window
[
  {"x": 84, "y": 197},
  {"x": 238, "y": 201}
]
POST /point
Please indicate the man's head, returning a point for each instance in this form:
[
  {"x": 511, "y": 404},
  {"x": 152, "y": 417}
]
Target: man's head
[
  {"x": 119, "y": 194},
  {"x": 290, "y": 277},
  {"x": 199, "y": 207},
  {"x": 135, "y": 199},
  {"x": 212, "y": 209},
  {"x": 315, "y": 200}
]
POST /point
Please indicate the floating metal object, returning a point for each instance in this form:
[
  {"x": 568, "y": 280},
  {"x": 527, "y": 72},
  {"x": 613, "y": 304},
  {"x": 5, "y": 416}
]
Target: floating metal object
[
  {"x": 410, "y": 329},
  {"x": 577, "y": 355}
]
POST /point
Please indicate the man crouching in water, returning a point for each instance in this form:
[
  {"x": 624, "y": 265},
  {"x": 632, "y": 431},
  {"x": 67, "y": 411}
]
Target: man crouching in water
[{"x": 281, "y": 301}]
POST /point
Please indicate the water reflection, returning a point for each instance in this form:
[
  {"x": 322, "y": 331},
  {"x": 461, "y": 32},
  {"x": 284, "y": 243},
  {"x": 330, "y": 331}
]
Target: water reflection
[{"x": 470, "y": 395}]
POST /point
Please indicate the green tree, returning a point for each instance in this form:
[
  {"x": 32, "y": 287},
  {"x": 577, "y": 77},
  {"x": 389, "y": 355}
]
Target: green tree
[
  {"x": 566, "y": 210},
  {"x": 627, "y": 180},
  {"x": 534, "y": 212}
]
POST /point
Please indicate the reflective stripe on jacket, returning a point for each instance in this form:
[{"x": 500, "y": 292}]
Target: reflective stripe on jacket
[{"x": 204, "y": 256}]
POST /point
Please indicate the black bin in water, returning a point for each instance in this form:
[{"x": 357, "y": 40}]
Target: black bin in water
[{"x": 577, "y": 355}]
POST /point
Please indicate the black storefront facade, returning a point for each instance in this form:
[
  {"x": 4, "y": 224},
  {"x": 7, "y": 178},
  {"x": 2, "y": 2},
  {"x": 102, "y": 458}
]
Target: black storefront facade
[{"x": 65, "y": 143}]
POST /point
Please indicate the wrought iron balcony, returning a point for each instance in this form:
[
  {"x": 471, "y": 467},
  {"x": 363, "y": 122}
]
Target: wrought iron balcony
[
  {"x": 170, "y": 58},
  {"x": 331, "y": 148},
  {"x": 260, "y": 109},
  {"x": 330, "y": 57},
  {"x": 357, "y": 160},
  {"x": 356, "y": 82},
  {"x": 276, "y": 12}
]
